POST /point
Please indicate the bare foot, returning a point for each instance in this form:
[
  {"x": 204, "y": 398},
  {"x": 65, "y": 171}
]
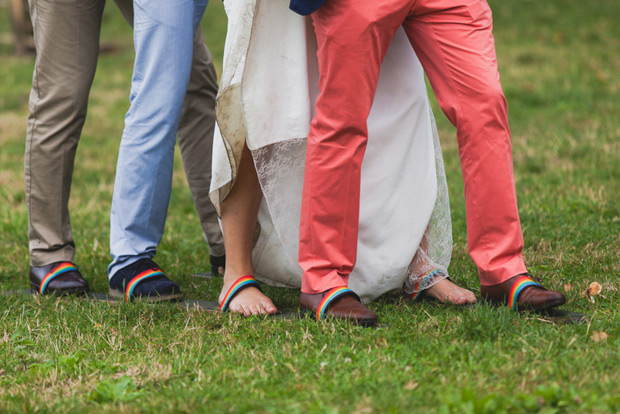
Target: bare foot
[
  {"x": 446, "y": 291},
  {"x": 249, "y": 301}
]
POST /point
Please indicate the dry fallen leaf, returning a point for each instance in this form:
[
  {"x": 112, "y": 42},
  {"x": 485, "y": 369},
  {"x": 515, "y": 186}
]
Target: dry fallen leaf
[
  {"x": 599, "y": 336},
  {"x": 411, "y": 385},
  {"x": 594, "y": 289},
  {"x": 572, "y": 341},
  {"x": 567, "y": 287}
]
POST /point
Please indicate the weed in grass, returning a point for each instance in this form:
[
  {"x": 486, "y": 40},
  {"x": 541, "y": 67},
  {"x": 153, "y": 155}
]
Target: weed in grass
[{"x": 119, "y": 390}]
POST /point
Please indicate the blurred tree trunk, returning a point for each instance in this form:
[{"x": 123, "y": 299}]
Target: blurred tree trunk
[{"x": 22, "y": 27}]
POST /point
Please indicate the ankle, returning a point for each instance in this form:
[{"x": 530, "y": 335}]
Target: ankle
[{"x": 232, "y": 273}]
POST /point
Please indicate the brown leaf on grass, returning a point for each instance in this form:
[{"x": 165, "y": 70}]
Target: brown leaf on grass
[
  {"x": 599, "y": 336},
  {"x": 594, "y": 289},
  {"x": 411, "y": 385},
  {"x": 567, "y": 287},
  {"x": 602, "y": 76}
]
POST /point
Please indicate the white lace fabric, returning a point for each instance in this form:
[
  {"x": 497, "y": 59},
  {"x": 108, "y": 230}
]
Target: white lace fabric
[{"x": 268, "y": 89}]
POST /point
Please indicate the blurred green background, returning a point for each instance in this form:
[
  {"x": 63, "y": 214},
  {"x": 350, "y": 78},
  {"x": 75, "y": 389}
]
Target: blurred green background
[{"x": 559, "y": 62}]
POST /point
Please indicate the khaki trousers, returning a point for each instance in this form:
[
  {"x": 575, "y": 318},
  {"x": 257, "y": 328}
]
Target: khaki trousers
[{"x": 66, "y": 35}]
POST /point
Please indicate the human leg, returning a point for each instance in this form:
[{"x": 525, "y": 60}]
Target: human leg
[
  {"x": 196, "y": 137},
  {"x": 163, "y": 33},
  {"x": 67, "y": 42},
  {"x": 456, "y": 47},
  {"x": 427, "y": 279},
  {"x": 337, "y": 140},
  {"x": 126, "y": 9},
  {"x": 239, "y": 212},
  {"x": 196, "y": 143}
]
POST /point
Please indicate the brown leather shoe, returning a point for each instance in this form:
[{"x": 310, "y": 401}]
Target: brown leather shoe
[
  {"x": 523, "y": 292},
  {"x": 339, "y": 302},
  {"x": 58, "y": 277}
]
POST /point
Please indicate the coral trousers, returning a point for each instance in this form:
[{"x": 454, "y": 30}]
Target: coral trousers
[{"x": 453, "y": 40}]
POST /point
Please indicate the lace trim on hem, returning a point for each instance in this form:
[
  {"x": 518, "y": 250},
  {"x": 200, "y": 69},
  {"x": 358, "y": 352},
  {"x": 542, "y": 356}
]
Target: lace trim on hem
[{"x": 428, "y": 280}]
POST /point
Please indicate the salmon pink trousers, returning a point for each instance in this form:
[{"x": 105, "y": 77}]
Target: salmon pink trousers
[{"x": 453, "y": 40}]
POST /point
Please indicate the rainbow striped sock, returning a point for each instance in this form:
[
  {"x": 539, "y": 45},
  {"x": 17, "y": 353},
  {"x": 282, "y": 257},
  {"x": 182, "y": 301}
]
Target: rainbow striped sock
[
  {"x": 521, "y": 283},
  {"x": 59, "y": 270}
]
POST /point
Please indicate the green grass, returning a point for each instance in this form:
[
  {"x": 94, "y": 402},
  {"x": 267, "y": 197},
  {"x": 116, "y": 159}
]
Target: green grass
[{"x": 559, "y": 62}]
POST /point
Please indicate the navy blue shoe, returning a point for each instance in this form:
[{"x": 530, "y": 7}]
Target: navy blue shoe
[{"x": 144, "y": 280}]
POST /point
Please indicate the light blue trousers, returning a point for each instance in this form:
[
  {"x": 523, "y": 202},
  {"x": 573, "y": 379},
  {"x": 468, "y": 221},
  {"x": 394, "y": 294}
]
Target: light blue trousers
[{"x": 163, "y": 33}]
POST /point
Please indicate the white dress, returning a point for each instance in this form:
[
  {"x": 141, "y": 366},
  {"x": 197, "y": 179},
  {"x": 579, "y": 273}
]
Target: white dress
[{"x": 266, "y": 100}]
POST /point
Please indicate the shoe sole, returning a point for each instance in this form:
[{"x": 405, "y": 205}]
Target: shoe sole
[
  {"x": 115, "y": 294},
  {"x": 366, "y": 323},
  {"x": 77, "y": 292},
  {"x": 545, "y": 306}
]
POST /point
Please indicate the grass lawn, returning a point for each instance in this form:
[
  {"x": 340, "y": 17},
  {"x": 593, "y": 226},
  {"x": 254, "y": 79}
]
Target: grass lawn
[{"x": 559, "y": 61}]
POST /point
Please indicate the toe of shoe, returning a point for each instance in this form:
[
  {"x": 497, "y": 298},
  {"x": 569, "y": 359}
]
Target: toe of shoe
[
  {"x": 71, "y": 282},
  {"x": 540, "y": 299},
  {"x": 161, "y": 287},
  {"x": 555, "y": 299},
  {"x": 349, "y": 308}
]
